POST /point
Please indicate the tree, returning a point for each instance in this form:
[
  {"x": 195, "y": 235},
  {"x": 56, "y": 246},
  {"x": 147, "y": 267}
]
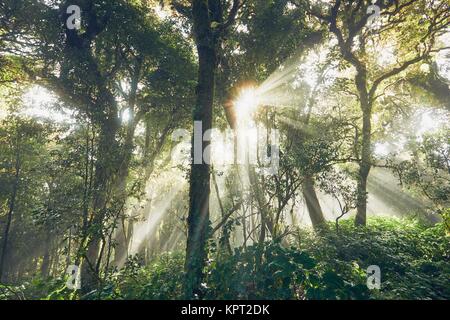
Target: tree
[
  {"x": 85, "y": 68},
  {"x": 210, "y": 23},
  {"x": 12, "y": 200},
  {"x": 23, "y": 141},
  {"x": 348, "y": 23}
]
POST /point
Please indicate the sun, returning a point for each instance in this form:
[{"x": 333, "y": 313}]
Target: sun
[{"x": 246, "y": 103}]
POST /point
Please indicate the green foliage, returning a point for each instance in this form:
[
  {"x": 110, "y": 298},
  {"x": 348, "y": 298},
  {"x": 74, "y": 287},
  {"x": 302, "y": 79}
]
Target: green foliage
[
  {"x": 446, "y": 218},
  {"x": 429, "y": 170},
  {"x": 74, "y": 182},
  {"x": 38, "y": 288},
  {"x": 413, "y": 259},
  {"x": 276, "y": 272},
  {"x": 161, "y": 280}
]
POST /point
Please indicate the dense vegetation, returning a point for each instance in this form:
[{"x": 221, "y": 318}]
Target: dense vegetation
[
  {"x": 224, "y": 149},
  {"x": 330, "y": 265}
]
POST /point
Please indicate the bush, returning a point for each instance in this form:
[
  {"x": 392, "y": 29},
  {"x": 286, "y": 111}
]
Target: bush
[
  {"x": 38, "y": 288},
  {"x": 161, "y": 280},
  {"x": 413, "y": 259},
  {"x": 275, "y": 272}
]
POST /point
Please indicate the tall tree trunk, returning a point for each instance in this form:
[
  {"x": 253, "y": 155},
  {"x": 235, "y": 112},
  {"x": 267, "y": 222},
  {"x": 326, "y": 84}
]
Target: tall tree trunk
[
  {"x": 106, "y": 168},
  {"x": 309, "y": 192},
  {"x": 365, "y": 100},
  {"x": 198, "y": 219},
  {"x": 10, "y": 212},
  {"x": 366, "y": 153},
  {"x": 120, "y": 250},
  {"x": 364, "y": 168}
]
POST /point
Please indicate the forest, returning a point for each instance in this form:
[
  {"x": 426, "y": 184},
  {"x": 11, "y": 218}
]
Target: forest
[{"x": 224, "y": 149}]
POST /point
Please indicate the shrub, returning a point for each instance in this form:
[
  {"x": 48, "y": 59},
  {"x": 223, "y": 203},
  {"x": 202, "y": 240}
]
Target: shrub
[
  {"x": 161, "y": 280},
  {"x": 413, "y": 259}
]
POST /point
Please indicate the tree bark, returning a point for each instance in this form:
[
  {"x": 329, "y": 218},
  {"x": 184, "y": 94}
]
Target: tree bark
[
  {"x": 121, "y": 249},
  {"x": 366, "y": 154},
  {"x": 105, "y": 168},
  {"x": 312, "y": 203},
  {"x": 309, "y": 192},
  {"x": 45, "y": 267},
  {"x": 364, "y": 168},
  {"x": 198, "y": 218}
]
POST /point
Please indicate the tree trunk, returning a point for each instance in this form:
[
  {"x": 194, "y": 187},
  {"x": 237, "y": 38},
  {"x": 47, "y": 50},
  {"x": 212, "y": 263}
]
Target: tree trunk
[
  {"x": 309, "y": 192},
  {"x": 364, "y": 168},
  {"x": 266, "y": 222},
  {"x": 56, "y": 257},
  {"x": 312, "y": 203},
  {"x": 45, "y": 267},
  {"x": 89, "y": 276},
  {"x": 121, "y": 244},
  {"x": 198, "y": 219},
  {"x": 10, "y": 213},
  {"x": 105, "y": 168},
  {"x": 120, "y": 250}
]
